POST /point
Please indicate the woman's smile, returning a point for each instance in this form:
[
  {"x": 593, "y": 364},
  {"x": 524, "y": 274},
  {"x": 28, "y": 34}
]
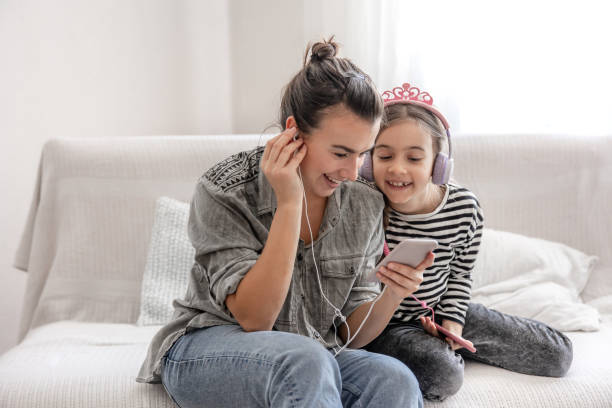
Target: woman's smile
[{"x": 333, "y": 182}]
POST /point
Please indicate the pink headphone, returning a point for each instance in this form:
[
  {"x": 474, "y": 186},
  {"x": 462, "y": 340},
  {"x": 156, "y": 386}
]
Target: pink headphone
[{"x": 406, "y": 94}]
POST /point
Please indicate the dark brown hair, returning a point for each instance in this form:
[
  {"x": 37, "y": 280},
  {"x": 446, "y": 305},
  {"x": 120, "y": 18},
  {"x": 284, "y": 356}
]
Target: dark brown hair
[
  {"x": 424, "y": 118},
  {"x": 324, "y": 81}
]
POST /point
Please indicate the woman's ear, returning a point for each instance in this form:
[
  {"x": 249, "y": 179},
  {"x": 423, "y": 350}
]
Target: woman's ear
[{"x": 290, "y": 122}]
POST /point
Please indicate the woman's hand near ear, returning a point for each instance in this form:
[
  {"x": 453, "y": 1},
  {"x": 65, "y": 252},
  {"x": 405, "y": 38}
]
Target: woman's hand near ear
[
  {"x": 279, "y": 163},
  {"x": 263, "y": 290}
]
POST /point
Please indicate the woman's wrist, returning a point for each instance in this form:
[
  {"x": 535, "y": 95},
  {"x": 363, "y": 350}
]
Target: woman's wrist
[
  {"x": 391, "y": 299},
  {"x": 291, "y": 205}
]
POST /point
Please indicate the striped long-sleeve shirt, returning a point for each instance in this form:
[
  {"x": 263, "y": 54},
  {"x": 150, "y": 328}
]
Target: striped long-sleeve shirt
[{"x": 456, "y": 224}]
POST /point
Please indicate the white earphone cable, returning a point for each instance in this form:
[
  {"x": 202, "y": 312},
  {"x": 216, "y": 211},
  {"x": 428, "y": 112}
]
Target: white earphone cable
[{"x": 337, "y": 312}]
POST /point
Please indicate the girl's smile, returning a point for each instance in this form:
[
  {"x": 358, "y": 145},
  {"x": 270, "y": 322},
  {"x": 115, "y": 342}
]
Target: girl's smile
[{"x": 398, "y": 185}]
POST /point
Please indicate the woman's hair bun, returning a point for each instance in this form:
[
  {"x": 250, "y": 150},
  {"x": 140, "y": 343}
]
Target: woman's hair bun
[
  {"x": 328, "y": 80},
  {"x": 323, "y": 50}
]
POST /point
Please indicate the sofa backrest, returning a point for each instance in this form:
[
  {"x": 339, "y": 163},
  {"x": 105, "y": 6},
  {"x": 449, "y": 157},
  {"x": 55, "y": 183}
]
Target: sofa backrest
[
  {"x": 555, "y": 187},
  {"x": 86, "y": 238}
]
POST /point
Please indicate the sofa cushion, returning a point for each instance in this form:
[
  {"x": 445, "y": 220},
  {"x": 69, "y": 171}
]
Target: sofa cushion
[
  {"x": 73, "y": 364},
  {"x": 534, "y": 278},
  {"x": 506, "y": 255},
  {"x": 169, "y": 261}
]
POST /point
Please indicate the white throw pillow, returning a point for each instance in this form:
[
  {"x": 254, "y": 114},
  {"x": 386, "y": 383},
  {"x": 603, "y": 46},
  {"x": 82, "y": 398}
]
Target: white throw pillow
[
  {"x": 169, "y": 261},
  {"x": 534, "y": 278}
]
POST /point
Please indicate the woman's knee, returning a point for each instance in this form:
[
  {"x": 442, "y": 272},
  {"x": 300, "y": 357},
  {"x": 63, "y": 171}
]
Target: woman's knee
[
  {"x": 308, "y": 372},
  {"x": 396, "y": 379},
  {"x": 289, "y": 368},
  {"x": 400, "y": 376},
  {"x": 310, "y": 358}
]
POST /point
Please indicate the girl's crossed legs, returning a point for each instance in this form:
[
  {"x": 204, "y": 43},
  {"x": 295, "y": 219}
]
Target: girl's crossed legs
[{"x": 518, "y": 344}]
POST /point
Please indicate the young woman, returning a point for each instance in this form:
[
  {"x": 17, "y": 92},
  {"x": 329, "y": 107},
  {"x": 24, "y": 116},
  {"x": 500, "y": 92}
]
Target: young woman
[{"x": 283, "y": 238}]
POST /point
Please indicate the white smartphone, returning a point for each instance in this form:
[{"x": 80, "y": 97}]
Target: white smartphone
[{"x": 410, "y": 251}]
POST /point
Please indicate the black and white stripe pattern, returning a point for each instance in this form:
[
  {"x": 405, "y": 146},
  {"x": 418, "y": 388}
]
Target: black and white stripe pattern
[{"x": 457, "y": 226}]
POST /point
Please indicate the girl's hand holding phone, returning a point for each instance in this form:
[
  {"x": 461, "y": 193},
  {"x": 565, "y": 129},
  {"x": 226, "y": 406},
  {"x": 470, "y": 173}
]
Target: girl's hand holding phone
[
  {"x": 281, "y": 158},
  {"x": 452, "y": 333}
]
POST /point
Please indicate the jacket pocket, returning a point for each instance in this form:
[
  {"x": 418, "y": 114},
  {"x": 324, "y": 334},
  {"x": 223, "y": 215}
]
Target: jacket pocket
[{"x": 338, "y": 277}]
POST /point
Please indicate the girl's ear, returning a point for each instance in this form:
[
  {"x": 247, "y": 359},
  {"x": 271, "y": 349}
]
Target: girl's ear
[{"x": 290, "y": 122}]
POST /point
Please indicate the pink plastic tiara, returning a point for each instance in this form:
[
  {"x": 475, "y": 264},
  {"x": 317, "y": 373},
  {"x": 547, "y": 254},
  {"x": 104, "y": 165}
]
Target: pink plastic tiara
[
  {"x": 413, "y": 95},
  {"x": 406, "y": 93}
]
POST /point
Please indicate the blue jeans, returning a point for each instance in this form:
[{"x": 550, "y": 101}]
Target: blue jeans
[{"x": 224, "y": 366}]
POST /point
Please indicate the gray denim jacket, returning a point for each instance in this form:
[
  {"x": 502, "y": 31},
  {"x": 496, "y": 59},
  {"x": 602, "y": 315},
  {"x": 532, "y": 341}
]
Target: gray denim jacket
[{"x": 230, "y": 217}]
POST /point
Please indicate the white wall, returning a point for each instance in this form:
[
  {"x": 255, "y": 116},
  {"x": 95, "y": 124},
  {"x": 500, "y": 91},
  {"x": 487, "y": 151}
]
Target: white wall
[
  {"x": 269, "y": 38},
  {"x": 99, "y": 68},
  {"x": 267, "y": 44}
]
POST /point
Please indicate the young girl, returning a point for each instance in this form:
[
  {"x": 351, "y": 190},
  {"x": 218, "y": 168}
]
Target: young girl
[
  {"x": 410, "y": 170},
  {"x": 278, "y": 287}
]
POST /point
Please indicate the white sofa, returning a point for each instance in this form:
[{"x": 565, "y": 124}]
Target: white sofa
[{"x": 85, "y": 244}]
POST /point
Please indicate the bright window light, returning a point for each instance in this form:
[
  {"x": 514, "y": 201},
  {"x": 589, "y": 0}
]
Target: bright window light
[{"x": 509, "y": 67}]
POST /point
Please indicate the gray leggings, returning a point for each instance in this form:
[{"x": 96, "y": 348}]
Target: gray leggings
[{"x": 514, "y": 343}]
